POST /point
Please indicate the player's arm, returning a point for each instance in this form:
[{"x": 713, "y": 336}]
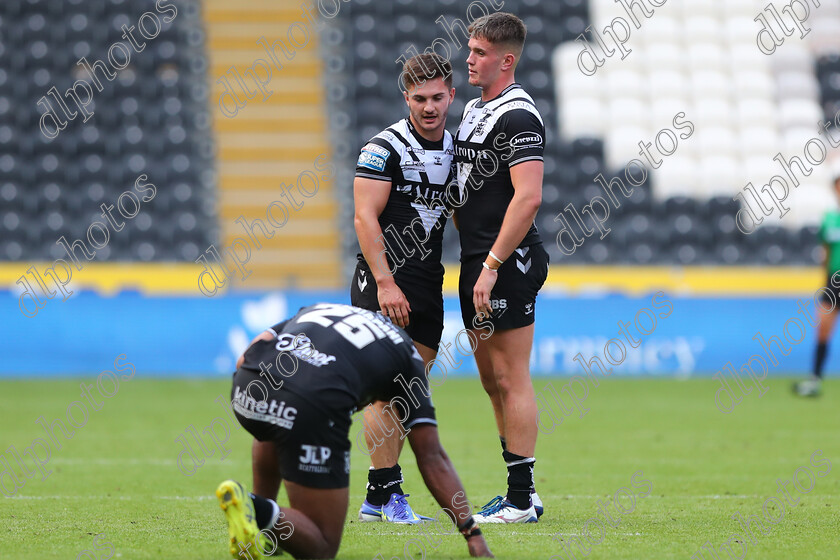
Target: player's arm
[
  {"x": 443, "y": 483},
  {"x": 527, "y": 180},
  {"x": 265, "y": 335},
  {"x": 370, "y": 197}
]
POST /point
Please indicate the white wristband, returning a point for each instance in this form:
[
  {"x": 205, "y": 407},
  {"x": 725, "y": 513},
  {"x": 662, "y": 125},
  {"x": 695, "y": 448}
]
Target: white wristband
[
  {"x": 497, "y": 259},
  {"x": 487, "y": 266}
]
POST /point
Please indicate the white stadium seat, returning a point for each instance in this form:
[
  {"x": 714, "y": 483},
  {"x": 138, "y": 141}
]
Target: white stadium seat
[
  {"x": 666, "y": 56},
  {"x": 754, "y": 112},
  {"x": 797, "y": 85},
  {"x": 719, "y": 175},
  {"x": 742, "y": 30},
  {"x": 707, "y": 56},
  {"x": 702, "y": 30},
  {"x": 791, "y": 56},
  {"x": 706, "y": 83},
  {"x": 665, "y": 108},
  {"x": 660, "y": 29},
  {"x": 715, "y": 140},
  {"x": 622, "y": 144},
  {"x": 629, "y": 111},
  {"x": 753, "y": 84},
  {"x": 696, "y": 8},
  {"x": 626, "y": 83},
  {"x": 676, "y": 177},
  {"x": 794, "y": 113},
  {"x": 762, "y": 141},
  {"x": 714, "y": 111},
  {"x": 668, "y": 83},
  {"x": 583, "y": 117},
  {"x": 746, "y": 57},
  {"x": 739, "y": 8}
]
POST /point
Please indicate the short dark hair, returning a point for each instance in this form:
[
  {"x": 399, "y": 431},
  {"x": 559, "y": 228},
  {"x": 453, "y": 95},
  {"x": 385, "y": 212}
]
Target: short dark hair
[
  {"x": 500, "y": 28},
  {"x": 426, "y": 66}
]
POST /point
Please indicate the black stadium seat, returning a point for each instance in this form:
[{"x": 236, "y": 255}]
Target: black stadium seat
[{"x": 153, "y": 115}]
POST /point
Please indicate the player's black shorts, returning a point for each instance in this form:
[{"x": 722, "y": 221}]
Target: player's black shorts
[
  {"x": 424, "y": 295},
  {"x": 514, "y": 296},
  {"x": 831, "y": 289},
  {"x": 313, "y": 444}
]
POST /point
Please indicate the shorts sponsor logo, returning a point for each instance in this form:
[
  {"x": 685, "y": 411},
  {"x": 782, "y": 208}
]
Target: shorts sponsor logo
[
  {"x": 526, "y": 140},
  {"x": 529, "y": 308},
  {"x": 314, "y": 458},
  {"x": 274, "y": 413},
  {"x": 378, "y": 150},
  {"x": 301, "y": 346},
  {"x": 371, "y": 161},
  {"x": 496, "y": 304},
  {"x": 346, "y": 462}
]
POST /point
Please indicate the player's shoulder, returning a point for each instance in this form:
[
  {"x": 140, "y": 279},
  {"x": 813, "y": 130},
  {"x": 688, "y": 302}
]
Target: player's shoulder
[
  {"x": 391, "y": 137},
  {"x": 516, "y": 103}
]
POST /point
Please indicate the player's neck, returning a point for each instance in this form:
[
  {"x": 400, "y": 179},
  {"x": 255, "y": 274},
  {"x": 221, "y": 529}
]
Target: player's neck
[
  {"x": 432, "y": 136},
  {"x": 497, "y": 88}
]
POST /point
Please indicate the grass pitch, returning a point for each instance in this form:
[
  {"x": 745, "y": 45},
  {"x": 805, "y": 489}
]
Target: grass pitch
[{"x": 119, "y": 475}]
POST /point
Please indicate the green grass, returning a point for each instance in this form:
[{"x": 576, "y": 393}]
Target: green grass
[{"x": 118, "y": 473}]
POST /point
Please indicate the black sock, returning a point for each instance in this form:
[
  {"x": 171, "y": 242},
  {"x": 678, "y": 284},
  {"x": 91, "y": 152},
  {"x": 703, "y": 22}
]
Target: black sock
[
  {"x": 265, "y": 511},
  {"x": 520, "y": 479},
  {"x": 382, "y": 483},
  {"x": 819, "y": 359}
]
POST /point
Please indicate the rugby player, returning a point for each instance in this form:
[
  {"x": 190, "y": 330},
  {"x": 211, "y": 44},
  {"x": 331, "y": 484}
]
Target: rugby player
[
  {"x": 332, "y": 360},
  {"x": 499, "y": 155},
  {"x": 830, "y": 236},
  {"x": 398, "y": 191}
]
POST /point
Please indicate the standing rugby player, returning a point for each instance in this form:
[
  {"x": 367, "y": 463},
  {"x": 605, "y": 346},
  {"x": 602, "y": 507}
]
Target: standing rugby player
[
  {"x": 499, "y": 154},
  {"x": 401, "y": 175},
  {"x": 830, "y": 236}
]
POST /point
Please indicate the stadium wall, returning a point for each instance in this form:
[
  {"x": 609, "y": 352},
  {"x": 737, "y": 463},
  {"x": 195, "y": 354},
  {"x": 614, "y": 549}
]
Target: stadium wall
[{"x": 675, "y": 335}]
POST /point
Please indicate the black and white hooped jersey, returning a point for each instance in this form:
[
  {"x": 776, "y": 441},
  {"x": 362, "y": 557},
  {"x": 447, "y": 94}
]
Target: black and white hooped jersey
[
  {"x": 419, "y": 171},
  {"x": 494, "y": 136}
]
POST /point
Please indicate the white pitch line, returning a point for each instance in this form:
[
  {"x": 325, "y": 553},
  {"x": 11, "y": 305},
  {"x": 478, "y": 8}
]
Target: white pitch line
[
  {"x": 111, "y": 462},
  {"x": 124, "y": 498}
]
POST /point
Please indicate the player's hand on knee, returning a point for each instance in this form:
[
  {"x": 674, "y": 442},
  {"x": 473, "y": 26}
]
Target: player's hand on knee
[{"x": 393, "y": 303}]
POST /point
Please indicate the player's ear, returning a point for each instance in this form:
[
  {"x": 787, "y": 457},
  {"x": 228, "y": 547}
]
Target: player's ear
[
  {"x": 405, "y": 96},
  {"x": 509, "y": 61},
  {"x": 451, "y": 95}
]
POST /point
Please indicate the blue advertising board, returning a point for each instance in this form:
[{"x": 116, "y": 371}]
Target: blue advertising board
[{"x": 656, "y": 335}]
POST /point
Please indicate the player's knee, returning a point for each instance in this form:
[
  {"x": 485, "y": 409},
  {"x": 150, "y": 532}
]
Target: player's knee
[{"x": 489, "y": 385}]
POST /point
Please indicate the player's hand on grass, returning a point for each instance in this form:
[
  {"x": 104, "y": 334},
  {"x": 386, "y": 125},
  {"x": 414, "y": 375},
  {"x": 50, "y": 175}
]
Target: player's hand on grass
[
  {"x": 481, "y": 291},
  {"x": 393, "y": 303},
  {"x": 478, "y": 547}
]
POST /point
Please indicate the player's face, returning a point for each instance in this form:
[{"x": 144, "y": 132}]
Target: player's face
[
  {"x": 428, "y": 105},
  {"x": 484, "y": 62}
]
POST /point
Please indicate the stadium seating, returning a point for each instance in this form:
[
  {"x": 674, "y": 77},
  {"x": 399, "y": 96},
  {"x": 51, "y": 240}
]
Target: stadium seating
[
  {"x": 155, "y": 118},
  {"x": 151, "y": 119},
  {"x": 747, "y": 106}
]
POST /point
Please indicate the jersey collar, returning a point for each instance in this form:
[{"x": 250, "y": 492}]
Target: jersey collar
[
  {"x": 504, "y": 92},
  {"x": 427, "y": 144}
]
